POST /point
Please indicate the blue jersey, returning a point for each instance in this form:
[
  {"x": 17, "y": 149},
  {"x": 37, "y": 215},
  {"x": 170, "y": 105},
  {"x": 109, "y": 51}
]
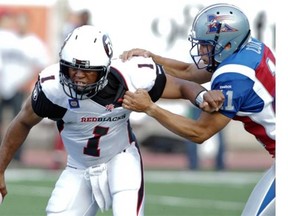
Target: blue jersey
[{"x": 247, "y": 79}]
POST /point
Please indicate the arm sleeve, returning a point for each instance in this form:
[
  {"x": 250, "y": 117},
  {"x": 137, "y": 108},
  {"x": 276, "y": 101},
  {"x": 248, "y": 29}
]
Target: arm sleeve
[
  {"x": 43, "y": 107},
  {"x": 160, "y": 82}
]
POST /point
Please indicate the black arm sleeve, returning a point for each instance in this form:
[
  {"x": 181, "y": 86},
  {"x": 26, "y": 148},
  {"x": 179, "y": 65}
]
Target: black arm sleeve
[
  {"x": 160, "y": 82},
  {"x": 43, "y": 107}
]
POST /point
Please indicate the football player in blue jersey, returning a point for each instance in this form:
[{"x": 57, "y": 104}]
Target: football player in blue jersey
[
  {"x": 83, "y": 93},
  {"x": 243, "y": 68}
]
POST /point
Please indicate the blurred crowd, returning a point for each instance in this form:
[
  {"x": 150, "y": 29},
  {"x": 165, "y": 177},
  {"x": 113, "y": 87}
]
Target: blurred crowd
[{"x": 23, "y": 54}]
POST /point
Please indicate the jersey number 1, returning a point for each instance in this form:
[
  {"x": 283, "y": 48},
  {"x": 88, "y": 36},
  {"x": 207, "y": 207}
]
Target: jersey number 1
[{"x": 92, "y": 147}]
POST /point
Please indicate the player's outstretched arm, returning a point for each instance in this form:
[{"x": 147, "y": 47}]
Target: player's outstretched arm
[
  {"x": 198, "y": 131},
  {"x": 173, "y": 67},
  {"x": 16, "y": 134},
  {"x": 208, "y": 101}
]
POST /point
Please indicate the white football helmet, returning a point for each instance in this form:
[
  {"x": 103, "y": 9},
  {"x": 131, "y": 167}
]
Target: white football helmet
[
  {"x": 218, "y": 25},
  {"x": 85, "y": 48}
]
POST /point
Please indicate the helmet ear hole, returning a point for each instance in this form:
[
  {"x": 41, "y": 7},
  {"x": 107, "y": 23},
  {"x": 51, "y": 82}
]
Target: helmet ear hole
[{"x": 227, "y": 46}]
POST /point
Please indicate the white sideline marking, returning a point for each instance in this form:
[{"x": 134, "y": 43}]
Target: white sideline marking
[
  {"x": 234, "y": 178},
  {"x": 194, "y": 203},
  {"x": 40, "y": 191},
  {"x": 31, "y": 174},
  {"x": 224, "y": 177},
  {"x": 152, "y": 199}
]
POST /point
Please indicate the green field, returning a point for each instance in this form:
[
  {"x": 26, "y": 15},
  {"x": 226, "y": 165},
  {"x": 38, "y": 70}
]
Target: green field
[{"x": 168, "y": 193}]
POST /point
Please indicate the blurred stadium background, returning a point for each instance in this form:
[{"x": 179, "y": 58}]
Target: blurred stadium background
[{"x": 163, "y": 29}]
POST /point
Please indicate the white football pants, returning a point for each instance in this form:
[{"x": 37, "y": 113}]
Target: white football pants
[{"x": 120, "y": 184}]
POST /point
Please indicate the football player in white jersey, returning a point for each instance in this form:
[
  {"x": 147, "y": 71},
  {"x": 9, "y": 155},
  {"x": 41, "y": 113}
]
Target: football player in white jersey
[
  {"x": 243, "y": 68},
  {"x": 83, "y": 93}
]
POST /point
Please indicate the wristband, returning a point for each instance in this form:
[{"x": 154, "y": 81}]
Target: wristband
[{"x": 200, "y": 98}]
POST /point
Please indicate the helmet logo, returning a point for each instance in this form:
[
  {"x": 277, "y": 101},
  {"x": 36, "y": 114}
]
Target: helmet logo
[
  {"x": 107, "y": 45},
  {"x": 213, "y": 24}
]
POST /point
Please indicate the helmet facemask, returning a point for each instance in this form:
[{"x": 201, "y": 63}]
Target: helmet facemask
[
  {"x": 211, "y": 52},
  {"x": 80, "y": 92}
]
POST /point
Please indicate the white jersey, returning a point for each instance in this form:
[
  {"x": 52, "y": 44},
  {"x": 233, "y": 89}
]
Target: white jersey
[{"x": 95, "y": 130}]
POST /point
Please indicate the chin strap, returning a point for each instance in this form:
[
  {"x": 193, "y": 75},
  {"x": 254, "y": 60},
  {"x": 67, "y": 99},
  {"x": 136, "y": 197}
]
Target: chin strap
[{"x": 243, "y": 41}]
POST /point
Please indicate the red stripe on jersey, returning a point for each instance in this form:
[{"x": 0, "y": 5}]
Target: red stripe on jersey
[
  {"x": 264, "y": 73},
  {"x": 259, "y": 132}
]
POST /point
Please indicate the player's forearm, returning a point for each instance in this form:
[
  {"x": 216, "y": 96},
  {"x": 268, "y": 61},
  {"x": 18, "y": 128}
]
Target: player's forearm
[
  {"x": 182, "y": 70},
  {"x": 172, "y": 66},
  {"x": 14, "y": 138},
  {"x": 6, "y": 154},
  {"x": 177, "y": 124}
]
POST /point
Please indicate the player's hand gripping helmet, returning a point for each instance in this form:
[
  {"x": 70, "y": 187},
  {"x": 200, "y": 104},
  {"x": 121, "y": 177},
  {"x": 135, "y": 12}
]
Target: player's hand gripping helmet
[
  {"x": 218, "y": 25},
  {"x": 88, "y": 49}
]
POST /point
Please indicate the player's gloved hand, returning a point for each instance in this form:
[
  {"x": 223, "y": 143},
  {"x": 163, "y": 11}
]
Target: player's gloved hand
[{"x": 127, "y": 55}]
